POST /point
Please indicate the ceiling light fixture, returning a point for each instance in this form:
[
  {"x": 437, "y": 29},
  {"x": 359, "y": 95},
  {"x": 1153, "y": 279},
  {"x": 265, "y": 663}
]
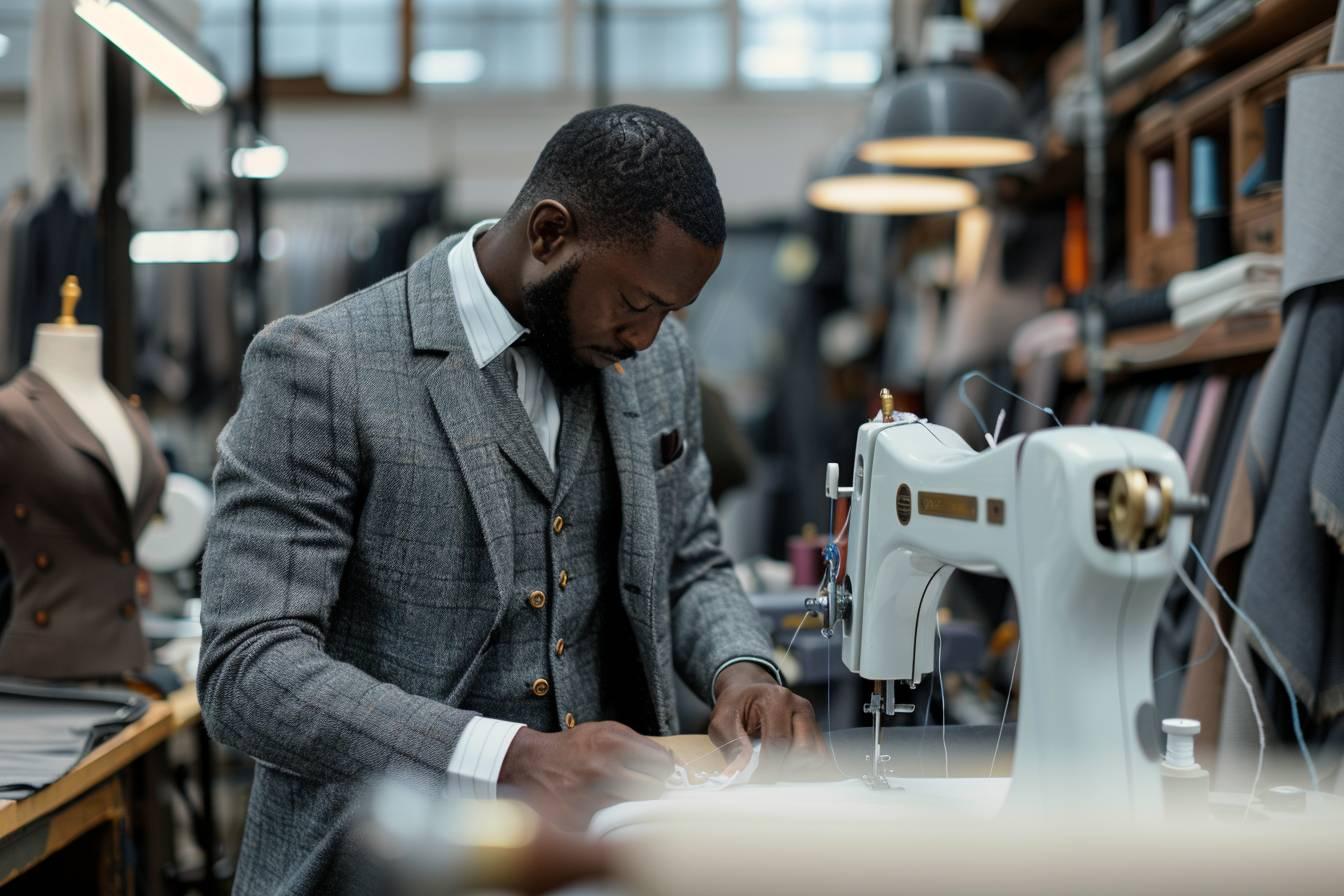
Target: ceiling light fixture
[
  {"x": 141, "y": 30},
  {"x": 184, "y": 247}
]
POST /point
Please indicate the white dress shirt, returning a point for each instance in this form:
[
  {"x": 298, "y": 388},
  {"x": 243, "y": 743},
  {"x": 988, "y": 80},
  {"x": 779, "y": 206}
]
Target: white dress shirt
[{"x": 473, "y": 769}]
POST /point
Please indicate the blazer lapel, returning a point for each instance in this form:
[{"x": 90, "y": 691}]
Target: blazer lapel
[
  {"x": 153, "y": 471},
  {"x": 639, "y": 509},
  {"x": 467, "y": 408}
]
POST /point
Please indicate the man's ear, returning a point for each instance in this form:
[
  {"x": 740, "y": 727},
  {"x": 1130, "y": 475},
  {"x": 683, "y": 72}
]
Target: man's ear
[{"x": 550, "y": 227}]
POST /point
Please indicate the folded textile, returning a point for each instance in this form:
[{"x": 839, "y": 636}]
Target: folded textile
[
  {"x": 46, "y": 729},
  {"x": 1244, "y": 299},
  {"x": 1252, "y": 267}
]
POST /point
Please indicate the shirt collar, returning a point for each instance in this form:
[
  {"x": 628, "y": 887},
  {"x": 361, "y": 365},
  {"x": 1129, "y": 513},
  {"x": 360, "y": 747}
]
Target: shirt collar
[{"x": 489, "y": 326}]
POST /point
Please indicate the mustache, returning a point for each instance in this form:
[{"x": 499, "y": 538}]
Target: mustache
[{"x": 624, "y": 354}]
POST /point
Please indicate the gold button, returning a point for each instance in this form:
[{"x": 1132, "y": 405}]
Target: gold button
[
  {"x": 20, "y": 512},
  {"x": 133, "y": 401},
  {"x": 564, "y": 579},
  {"x": 541, "y": 687},
  {"x": 40, "y": 618},
  {"x": 42, "y": 560},
  {"x": 570, "y": 721},
  {"x": 124, "y": 558},
  {"x": 558, "y": 525},
  {"x": 128, "y": 609},
  {"x": 537, "y": 599},
  {"x": 560, "y": 647}
]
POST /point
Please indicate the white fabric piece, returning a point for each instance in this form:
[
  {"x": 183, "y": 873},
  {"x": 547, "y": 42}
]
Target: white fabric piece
[
  {"x": 1253, "y": 267},
  {"x": 491, "y": 331},
  {"x": 1313, "y": 178},
  {"x": 1243, "y": 299},
  {"x": 916, "y": 799},
  {"x": 684, "y": 779},
  {"x": 1052, "y": 333},
  {"x": 473, "y": 770}
]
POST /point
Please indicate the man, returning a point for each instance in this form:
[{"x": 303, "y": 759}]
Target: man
[{"x": 463, "y": 528}]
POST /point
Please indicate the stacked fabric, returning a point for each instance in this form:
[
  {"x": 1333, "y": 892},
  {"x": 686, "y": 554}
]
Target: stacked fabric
[{"x": 1240, "y": 285}]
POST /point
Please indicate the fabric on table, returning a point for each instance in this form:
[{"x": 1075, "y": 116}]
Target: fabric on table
[
  {"x": 1247, "y": 298},
  {"x": 46, "y": 729},
  {"x": 1239, "y": 270}
]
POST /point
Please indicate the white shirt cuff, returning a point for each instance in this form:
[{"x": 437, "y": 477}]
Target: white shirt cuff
[
  {"x": 714, "y": 682},
  {"x": 473, "y": 770}
]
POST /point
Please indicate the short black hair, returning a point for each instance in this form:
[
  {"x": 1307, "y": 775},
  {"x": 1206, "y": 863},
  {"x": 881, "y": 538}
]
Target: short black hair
[{"x": 619, "y": 168}]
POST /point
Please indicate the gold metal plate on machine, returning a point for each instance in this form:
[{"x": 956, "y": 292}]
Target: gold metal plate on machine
[{"x": 953, "y": 507}]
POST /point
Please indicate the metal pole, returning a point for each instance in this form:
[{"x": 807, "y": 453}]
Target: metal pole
[
  {"x": 255, "y": 197},
  {"x": 114, "y": 224},
  {"x": 601, "y": 53},
  {"x": 1094, "y": 323}
]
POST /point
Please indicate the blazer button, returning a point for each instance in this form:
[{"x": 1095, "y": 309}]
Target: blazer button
[
  {"x": 559, "y": 525},
  {"x": 20, "y": 512},
  {"x": 133, "y": 400},
  {"x": 128, "y": 609},
  {"x": 564, "y": 579},
  {"x": 541, "y": 687},
  {"x": 42, "y": 560},
  {"x": 560, "y": 647},
  {"x": 537, "y": 599},
  {"x": 570, "y": 721},
  {"x": 124, "y": 558},
  {"x": 41, "y": 618}
]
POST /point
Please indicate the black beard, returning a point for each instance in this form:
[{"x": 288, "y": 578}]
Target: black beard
[{"x": 550, "y": 331}]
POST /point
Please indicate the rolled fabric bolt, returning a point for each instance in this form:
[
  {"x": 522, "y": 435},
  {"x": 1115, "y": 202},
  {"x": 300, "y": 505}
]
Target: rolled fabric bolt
[
  {"x": 1207, "y": 192},
  {"x": 1275, "y": 118}
]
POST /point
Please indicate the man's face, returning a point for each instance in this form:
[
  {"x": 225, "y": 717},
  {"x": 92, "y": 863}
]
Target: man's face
[{"x": 595, "y": 305}]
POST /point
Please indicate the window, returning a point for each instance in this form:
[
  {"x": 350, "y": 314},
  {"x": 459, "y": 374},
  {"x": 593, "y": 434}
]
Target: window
[
  {"x": 504, "y": 44},
  {"x": 792, "y": 44},
  {"x": 355, "y": 45},
  {"x": 661, "y": 44},
  {"x": 16, "y": 26}
]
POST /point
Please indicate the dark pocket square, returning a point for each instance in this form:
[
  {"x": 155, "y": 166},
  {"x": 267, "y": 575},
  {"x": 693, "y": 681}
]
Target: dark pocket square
[{"x": 670, "y": 447}]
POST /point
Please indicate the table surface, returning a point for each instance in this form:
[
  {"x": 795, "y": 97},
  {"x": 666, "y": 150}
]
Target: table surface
[{"x": 179, "y": 710}]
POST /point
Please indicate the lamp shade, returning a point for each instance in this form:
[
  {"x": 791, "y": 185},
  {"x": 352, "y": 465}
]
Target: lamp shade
[
  {"x": 849, "y": 185},
  {"x": 945, "y": 117}
]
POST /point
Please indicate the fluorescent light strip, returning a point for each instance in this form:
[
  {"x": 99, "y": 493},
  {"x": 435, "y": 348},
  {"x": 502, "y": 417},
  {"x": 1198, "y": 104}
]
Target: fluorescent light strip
[
  {"x": 154, "y": 52},
  {"x": 4, "y": 44},
  {"x": 184, "y": 247}
]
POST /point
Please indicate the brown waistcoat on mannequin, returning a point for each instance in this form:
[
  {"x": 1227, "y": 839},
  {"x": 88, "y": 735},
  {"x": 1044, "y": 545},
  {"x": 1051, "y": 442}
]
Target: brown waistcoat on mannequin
[{"x": 69, "y": 538}]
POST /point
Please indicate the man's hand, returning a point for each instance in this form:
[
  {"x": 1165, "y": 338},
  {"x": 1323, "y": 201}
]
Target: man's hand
[
  {"x": 750, "y": 703},
  {"x": 574, "y": 773}
]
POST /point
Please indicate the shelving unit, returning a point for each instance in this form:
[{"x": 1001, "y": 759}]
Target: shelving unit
[{"x": 1233, "y": 337}]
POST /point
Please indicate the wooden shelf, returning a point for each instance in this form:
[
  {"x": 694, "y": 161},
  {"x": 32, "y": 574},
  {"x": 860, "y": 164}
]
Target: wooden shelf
[
  {"x": 1274, "y": 23},
  {"x": 1232, "y": 337}
]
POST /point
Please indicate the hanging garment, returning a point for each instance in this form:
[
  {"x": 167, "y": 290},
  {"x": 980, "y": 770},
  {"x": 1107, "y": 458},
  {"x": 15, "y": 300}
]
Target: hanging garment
[
  {"x": 69, "y": 538},
  {"x": 13, "y": 221},
  {"x": 61, "y": 240}
]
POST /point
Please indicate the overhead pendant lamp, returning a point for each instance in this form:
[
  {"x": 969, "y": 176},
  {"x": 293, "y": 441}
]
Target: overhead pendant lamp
[
  {"x": 157, "y": 42},
  {"x": 855, "y": 187},
  {"x": 946, "y": 115}
]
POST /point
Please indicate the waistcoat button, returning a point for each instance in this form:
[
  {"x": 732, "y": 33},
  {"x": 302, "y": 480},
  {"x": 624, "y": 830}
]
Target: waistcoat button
[
  {"x": 558, "y": 526},
  {"x": 560, "y": 647},
  {"x": 41, "y": 618},
  {"x": 42, "y": 560},
  {"x": 570, "y": 721},
  {"x": 564, "y": 579},
  {"x": 541, "y": 687},
  {"x": 20, "y": 512},
  {"x": 537, "y": 599}
]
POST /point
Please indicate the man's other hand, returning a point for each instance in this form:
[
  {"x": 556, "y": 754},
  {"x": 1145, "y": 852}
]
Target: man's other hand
[
  {"x": 571, "y": 774},
  {"x": 750, "y": 703}
]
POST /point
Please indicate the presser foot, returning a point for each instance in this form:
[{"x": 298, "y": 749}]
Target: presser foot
[{"x": 877, "y": 778}]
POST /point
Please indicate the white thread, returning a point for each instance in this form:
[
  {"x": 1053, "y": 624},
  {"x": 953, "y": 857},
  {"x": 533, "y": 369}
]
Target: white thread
[
  {"x": 789, "y": 649},
  {"x": 942, "y": 697},
  {"x": 1007, "y": 701},
  {"x": 1236, "y": 665}
]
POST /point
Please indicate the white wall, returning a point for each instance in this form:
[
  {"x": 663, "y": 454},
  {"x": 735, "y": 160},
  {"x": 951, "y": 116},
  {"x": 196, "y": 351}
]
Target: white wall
[{"x": 762, "y": 146}]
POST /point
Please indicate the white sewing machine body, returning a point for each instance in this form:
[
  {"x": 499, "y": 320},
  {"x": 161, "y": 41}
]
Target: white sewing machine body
[{"x": 1033, "y": 509}]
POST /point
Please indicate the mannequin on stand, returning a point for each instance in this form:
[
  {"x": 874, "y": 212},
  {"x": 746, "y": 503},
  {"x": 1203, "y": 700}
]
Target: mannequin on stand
[
  {"x": 81, "y": 480},
  {"x": 70, "y": 358}
]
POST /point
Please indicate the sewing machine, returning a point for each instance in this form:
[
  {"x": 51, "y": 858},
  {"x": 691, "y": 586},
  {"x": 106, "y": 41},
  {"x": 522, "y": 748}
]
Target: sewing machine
[{"x": 1085, "y": 523}]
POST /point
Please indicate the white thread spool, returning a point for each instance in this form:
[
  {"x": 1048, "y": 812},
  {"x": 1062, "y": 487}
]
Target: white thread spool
[{"x": 1180, "y": 742}]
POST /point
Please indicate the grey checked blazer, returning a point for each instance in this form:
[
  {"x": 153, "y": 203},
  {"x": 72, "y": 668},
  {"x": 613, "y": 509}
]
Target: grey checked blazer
[{"x": 361, "y": 555}]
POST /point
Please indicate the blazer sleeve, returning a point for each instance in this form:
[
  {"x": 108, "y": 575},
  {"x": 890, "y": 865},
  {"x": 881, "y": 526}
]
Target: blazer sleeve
[
  {"x": 287, "y": 491},
  {"x": 713, "y": 622}
]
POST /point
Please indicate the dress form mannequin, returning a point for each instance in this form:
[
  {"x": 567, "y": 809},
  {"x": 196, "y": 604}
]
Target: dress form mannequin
[{"x": 70, "y": 358}]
